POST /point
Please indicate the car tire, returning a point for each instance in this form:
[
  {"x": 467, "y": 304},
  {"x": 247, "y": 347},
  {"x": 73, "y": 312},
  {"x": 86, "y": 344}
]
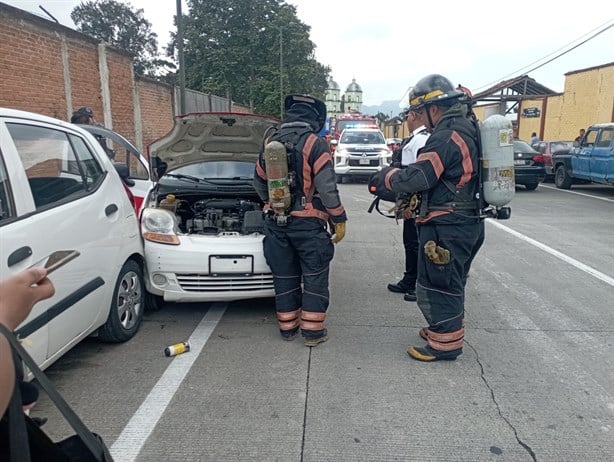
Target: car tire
[
  {"x": 531, "y": 186},
  {"x": 561, "y": 179},
  {"x": 126, "y": 311},
  {"x": 153, "y": 302}
]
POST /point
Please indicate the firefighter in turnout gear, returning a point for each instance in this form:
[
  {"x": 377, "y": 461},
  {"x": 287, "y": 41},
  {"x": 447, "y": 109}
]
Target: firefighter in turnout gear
[
  {"x": 297, "y": 245},
  {"x": 450, "y": 227}
]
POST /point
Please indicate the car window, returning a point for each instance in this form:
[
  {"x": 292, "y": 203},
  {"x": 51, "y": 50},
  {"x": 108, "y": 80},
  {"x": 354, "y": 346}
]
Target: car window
[
  {"x": 7, "y": 206},
  {"x": 560, "y": 145},
  {"x": 605, "y": 139},
  {"x": 589, "y": 138},
  {"x": 362, "y": 138},
  {"x": 57, "y": 167},
  {"x": 135, "y": 167}
]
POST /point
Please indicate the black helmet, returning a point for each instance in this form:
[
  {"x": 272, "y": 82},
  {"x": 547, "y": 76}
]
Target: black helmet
[
  {"x": 433, "y": 89},
  {"x": 316, "y": 105}
]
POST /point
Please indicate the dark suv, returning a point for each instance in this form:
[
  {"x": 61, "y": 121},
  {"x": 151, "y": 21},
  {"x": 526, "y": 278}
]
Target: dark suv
[{"x": 528, "y": 165}]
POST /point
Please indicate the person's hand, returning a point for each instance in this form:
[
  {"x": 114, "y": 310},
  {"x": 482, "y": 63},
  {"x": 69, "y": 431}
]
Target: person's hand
[
  {"x": 339, "y": 232},
  {"x": 19, "y": 293}
]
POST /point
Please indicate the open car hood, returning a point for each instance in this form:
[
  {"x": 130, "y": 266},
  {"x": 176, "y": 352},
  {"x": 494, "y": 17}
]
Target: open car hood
[{"x": 211, "y": 136}]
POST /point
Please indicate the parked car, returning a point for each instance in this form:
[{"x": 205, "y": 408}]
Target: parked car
[
  {"x": 528, "y": 165},
  {"x": 393, "y": 143},
  {"x": 547, "y": 149},
  {"x": 202, "y": 222},
  {"x": 60, "y": 191},
  {"x": 360, "y": 153},
  {"x": 137, "y": 177},
  {"x": 592, "y": 160}
]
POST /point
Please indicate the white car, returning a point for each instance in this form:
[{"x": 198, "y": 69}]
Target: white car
[
  {"x": 202, "y": 223},
  {"x": 360, "y": 153},
  {"x": 135, "y": 171},
  {"x": 59, "y": 191}
]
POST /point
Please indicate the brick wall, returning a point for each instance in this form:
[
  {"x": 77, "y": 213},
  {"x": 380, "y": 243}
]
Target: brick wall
[
  {"x": 31, "y": 68},
  {"x": 156, "y": 109}
]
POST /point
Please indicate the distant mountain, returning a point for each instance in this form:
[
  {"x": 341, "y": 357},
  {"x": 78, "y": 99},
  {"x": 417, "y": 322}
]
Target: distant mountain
[{"x": 390, "y": 108}]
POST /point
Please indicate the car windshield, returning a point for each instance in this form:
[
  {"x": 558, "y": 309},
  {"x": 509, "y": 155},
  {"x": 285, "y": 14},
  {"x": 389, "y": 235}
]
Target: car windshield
[
  {"x": 222, "y": 170},
  {"x": 362, "y": 138},
  {"x": 560, "y": 145},
  {"x": 522, "y": 146}
]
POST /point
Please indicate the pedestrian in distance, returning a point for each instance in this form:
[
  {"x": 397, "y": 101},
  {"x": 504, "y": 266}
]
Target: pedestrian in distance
[
  {"x": 450, "y": 231},
  {"x": 580, "y": 137},
  {"x": 297, "y": 245},
  {"x": 85, "y": 116},
  {"x": 534, "y": 139},
  {"x": 406, "y": 155}
]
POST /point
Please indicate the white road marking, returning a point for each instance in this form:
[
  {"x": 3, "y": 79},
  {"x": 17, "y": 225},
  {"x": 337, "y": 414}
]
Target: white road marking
[
  {"x": 567, "y": 259},
  {"x": 541, "y": 185},
  {"x": 132, "y": 438}
]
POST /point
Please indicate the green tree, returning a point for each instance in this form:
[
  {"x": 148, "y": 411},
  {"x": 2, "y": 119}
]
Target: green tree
[
  {"x": 118, "y": 24},
  {"x": 232, "y": 48}
]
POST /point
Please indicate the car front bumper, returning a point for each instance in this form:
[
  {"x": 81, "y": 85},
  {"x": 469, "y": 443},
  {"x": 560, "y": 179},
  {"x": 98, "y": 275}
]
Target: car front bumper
[{"x": 208, "y": 268}]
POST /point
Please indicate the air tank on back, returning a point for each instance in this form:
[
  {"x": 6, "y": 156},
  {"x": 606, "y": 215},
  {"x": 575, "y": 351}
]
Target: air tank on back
[
  {"x": 498, "y": 181},
  {"x": 276, "y": 163}
]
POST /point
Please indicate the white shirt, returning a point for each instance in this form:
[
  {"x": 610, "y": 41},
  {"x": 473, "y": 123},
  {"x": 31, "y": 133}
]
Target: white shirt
[{"x": 410, "y": 150}]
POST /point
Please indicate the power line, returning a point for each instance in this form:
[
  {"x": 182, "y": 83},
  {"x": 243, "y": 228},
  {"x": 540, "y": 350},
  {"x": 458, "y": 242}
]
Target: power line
[{"x": 555, "y": 57}]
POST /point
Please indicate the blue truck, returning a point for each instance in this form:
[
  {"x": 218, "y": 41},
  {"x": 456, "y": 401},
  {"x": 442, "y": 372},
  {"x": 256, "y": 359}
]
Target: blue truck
[{"x": 591, "y": 161}]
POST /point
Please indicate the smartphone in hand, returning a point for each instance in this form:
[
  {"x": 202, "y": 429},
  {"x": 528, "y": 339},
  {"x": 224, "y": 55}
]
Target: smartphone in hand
[{"x": 56, "y": 260}]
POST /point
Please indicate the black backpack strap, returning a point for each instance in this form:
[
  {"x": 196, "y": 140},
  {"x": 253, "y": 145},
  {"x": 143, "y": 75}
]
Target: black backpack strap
[{"x": 91, "y": 442}]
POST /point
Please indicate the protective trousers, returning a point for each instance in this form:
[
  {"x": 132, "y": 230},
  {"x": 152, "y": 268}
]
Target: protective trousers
[
  {"x": 299, "y": 252},
  {"x": 410, "y": 242},
  {"x": 441, "y": 286}
]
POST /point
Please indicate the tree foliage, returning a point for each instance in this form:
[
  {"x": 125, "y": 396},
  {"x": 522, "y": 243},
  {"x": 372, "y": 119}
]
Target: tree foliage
[
  {"x": 232, "y": 48},
  {"x": 119, "y": 25}
]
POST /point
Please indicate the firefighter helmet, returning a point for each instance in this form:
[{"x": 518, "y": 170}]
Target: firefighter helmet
[
  {"x": 316, "y": 105},
  {"x": 433, "y": 89}
]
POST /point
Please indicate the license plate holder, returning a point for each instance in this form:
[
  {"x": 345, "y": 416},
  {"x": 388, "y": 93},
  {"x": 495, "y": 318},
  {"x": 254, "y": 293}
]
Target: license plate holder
[
  {"x": 364, "y": 161},
  {"x": 222, "y": 265},
  {"x": 519, "y": 162}
]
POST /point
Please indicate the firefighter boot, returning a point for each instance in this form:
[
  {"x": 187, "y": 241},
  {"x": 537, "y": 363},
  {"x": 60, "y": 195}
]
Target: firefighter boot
[
  {"x": 428, "y": 354},
  {"x": 401, "y": 287},
  {"x": 410, "y": 295},
  {"x": 315, "y": 341}
]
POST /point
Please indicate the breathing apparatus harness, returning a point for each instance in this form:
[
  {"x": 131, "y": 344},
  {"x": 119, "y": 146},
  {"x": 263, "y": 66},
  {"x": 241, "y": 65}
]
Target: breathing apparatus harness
[{"x": 289, "y": 135}]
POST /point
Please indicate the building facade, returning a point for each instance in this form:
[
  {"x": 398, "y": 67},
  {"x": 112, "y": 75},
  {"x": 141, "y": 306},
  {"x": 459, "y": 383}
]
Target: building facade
[{"x": 350, "y": 101}]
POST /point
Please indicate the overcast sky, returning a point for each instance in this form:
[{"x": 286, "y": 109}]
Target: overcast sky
[{"x": 387, "y": 45}]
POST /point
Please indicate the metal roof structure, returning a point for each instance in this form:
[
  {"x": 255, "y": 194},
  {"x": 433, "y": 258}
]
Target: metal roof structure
[{"x": 516, "y": 89}]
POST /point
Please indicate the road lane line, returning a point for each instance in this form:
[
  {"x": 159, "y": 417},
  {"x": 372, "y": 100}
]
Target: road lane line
[
  {"x": 561, "y": 256},
  {"x": 132, "y": 438},
  {"x": 576, "y": 193}
]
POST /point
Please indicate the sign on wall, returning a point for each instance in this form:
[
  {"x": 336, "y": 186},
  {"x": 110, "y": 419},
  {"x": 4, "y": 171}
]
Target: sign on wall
[{"x": 531, "y": 112}]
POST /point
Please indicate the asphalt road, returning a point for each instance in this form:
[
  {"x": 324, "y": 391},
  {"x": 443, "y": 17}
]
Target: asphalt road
[{"x": 535, "y": 382}]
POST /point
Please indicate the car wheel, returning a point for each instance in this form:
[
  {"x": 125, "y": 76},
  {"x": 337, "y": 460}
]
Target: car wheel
[
  {"x": 561, "y": 179},
  {"x": 531, "y": 186},
  {"x": 126, "y": 312},
  {"x": 153, "y": 302}
]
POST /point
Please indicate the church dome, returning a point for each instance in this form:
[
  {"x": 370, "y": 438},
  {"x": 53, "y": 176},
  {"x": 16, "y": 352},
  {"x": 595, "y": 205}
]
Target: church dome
[
  {"x": 332, "y": 85},
  {"x": 354, "y": 87}
]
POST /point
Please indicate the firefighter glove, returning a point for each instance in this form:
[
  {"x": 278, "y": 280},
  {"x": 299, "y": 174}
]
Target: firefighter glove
[
  {"x": 436, "y": 254},
  {"x": 377, "y": 185},
  {"x": 339, "y": 232}
]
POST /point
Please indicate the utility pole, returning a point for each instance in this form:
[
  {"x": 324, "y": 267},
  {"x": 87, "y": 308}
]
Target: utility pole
[
  {"x": 281, "y": 78},
  {"x": 181, "y": 61}
]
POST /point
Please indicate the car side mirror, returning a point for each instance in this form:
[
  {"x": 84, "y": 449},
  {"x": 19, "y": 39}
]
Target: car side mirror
[
  {"x": 158, "y": 167},
  {"x": 124, "y": 173}
]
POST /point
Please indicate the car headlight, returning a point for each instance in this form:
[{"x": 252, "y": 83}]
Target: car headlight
[
  {"x": 341, "y": 156},
  {"x": 159, "y": 225}
]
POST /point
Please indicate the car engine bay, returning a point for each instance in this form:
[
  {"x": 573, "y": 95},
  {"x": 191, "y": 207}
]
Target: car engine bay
[{"x": 215, "y": 215}]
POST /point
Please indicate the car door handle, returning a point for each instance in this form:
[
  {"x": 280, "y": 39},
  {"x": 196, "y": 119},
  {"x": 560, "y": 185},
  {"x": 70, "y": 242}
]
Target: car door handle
[
  {"x": 18, "y": 255},
  {"x": 110, "y": 209}
]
